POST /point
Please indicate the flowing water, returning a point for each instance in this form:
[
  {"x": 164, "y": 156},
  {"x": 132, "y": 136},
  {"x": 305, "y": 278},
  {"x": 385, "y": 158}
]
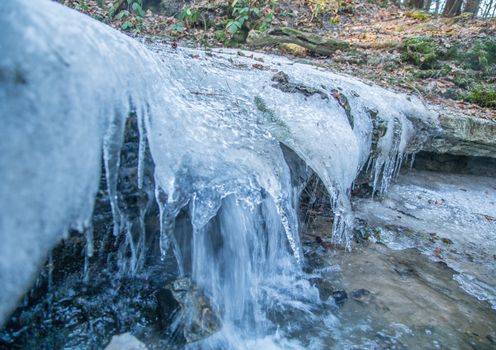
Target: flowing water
[{"x": 225, "y": 144}]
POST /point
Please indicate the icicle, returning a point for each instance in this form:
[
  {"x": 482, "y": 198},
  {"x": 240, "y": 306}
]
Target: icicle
[
  {"x": 112, "y": 144},
  {"x": 412, "y": 160},
  {"x": 167, "y": 223},
  {"x": 176, "y": 250},
  {"x": 141, "y": 147},
  {"x": 399, "y": 163},
  {"x": 88, "y": 252},
  {"x": 50, "y": 271},
  {"x": 142, "y": 238},
  {"x": 132, "y": 247},
  {"x": 89, "y": 241},
  {"x": 343, "y": 218},
  {"x": 290, "y": 225},
  {"x": 86, "y": 269}
]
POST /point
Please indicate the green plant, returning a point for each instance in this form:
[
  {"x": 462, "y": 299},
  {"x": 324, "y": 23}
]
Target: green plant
[
  {"x": 82, "y": 6},
  {"x": 480, "y": 55},
  {"x": 483, "y": 94},
  {"x": 191, "y": 17},
  {"x": 250, "y": 14},
  {"x": 132, "y": 15},
  {"x": 133, "y": 7},
  {"x": 188, "y": 18}
]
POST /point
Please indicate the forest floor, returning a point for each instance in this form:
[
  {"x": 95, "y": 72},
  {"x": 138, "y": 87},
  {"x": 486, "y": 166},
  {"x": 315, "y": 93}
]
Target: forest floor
[{"x": 448, "y": 61}]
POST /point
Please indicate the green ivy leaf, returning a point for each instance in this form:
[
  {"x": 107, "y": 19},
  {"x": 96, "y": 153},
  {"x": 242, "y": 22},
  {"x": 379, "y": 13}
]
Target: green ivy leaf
[
  {"x": 122, "y": 14},
  {"x": 126, "y": 25},
  {"x": 256, "y": 11},
  {"x": 138, "y": 9},
  {"x": 233, "y": 27},
  {"x": 178, "y": 27}
]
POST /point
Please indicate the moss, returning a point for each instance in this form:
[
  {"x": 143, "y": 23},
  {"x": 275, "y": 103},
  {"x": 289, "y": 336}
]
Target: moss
[
  {"x": 419, "y": 15},
  {"x": 480, "y": 55},
  {"x": 453, "y": 94},
  {"x": 293, "y": 49},
  {"x": 432, "y": 73},
  {"x": 482, "y": 94},
  {"x": 421, "y": 51}
]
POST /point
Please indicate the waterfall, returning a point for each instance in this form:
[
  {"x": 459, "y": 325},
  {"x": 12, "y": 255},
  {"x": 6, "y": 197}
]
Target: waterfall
[{"x": 216, "y": 123}]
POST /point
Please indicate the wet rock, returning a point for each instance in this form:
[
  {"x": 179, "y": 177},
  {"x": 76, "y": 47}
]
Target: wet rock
[
  {"x": 446, "y": 241},
  {"x": 326, "y": 288},
  {"x": 125, "y": 341},
  {"x": 360, "y": 294},
  {"x": 186, "y": 311},
  {"x": 340, "y": 296},
  {"x": 404, "y": 270},
  {"x": 492, "y": 338},
  {"x": 283, "y": 84}
]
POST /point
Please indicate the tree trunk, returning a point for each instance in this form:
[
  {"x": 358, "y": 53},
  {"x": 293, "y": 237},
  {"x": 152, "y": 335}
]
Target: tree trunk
[
  {"x": 488, "y": 9},
  {"x": 312, "y": 42},
  {"x": 418, "y": 4},
  {"x": 452, "y": 8},
  {"x": 436, "y": 11},
  {"x": 428, "y": 5},
  {"x": 472, "y": 6}
]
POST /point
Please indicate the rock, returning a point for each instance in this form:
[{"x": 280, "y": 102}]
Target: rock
[
  {"x": 172, "y": 7},
  {"x": 340, "y": 297},
  {"x": 461, "y": 134},
  {"x": 188, "y": 310},
  {"x": 326, "y": 289},
  {"x": 283, "y": 84},
  {"x": 125, "y": 341},
  {"x": 492, "y": 338},
  {"x": 446, "y": 241},
  {"x": 293, "y": 49}
]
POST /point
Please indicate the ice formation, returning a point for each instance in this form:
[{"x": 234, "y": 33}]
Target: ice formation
[{"x": 214, "y": 123}]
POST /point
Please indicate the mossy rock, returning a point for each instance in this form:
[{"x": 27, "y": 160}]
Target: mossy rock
[
  {"x": 422, "y": 51},
  {"x": 483, "y": 94}
]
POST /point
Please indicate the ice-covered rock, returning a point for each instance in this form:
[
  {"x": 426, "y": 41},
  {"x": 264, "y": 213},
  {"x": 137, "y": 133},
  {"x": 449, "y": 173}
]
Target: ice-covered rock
[
  {"x": 63, "y": 96},
  {"x": 125, "y": 341},
  {"x": 214, "y": 123}
]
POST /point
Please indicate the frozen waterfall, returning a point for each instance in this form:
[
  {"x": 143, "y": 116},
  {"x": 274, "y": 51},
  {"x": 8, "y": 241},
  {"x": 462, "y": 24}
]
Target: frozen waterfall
[{"x": 214, "y": 122}]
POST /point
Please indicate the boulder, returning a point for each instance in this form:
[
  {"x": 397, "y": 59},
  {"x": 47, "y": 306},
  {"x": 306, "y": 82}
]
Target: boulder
[{"x": 466, "y": 135}]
